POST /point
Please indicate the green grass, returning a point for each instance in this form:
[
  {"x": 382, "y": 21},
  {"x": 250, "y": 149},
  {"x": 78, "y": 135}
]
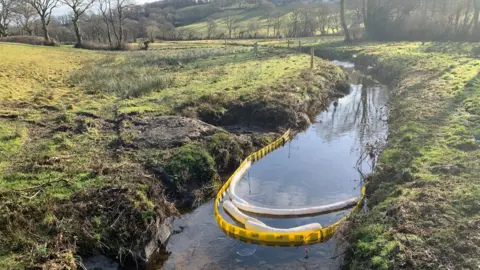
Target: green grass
[
  {"x": 423, "y": 197},
  {"x": 71, "y": 165}
]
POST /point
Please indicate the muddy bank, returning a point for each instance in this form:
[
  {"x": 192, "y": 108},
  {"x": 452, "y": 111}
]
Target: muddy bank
[{"x": 421, "y": 196}]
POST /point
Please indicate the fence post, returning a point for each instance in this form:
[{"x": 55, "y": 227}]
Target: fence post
[
  {"x": 299, "y": 45},
  {"x": 288, "y": 43},
  {"x": 312, "y": 54}
]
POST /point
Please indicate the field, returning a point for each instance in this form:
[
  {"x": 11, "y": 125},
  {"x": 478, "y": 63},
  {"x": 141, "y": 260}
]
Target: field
[
  {"x": 99, "y": 148},
  {"x": 424, "y": 194}
]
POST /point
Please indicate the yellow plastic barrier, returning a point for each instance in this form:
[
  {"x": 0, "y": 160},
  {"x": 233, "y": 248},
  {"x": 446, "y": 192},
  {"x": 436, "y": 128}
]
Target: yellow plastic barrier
[{"x": 274, "y": 239}]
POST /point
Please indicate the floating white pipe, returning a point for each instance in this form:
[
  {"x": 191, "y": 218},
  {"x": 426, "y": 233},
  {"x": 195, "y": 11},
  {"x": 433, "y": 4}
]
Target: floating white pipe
[
  {"x": 258, "y": 226},
  {"x": 237, "y": 214},
  {"x": 261, "y": 227},
  {"x": 294, "y": 212},
  {"x": 304, "y": 211},
  {"x": 237, "y": 177}
]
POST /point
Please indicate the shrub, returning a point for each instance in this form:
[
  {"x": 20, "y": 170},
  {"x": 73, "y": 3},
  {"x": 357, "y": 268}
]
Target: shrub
[
  {"x": 32, "y": 40},
  {"x": 89, "y": 45}
]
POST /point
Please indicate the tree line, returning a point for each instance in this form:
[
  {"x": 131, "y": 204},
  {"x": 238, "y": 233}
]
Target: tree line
[{"x": 115, "y": 22}]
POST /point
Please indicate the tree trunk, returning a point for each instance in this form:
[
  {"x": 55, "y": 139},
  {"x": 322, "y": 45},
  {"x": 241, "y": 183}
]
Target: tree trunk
[
  {"x": 120, "y": 28},
  {"x": 344, "y": 23},
  {"x": 364, "y": 13},
  {"x": 77, "y": 32},
  {"x": 46, "y": 35},
  {"x": 109, "y": 34},
  {"x": 476, "y": 17}
]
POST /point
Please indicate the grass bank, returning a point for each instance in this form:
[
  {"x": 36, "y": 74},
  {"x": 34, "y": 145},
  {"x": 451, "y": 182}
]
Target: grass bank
[
  {"x": 98, "y": 149},
  {"x": 423, "y": 197}
]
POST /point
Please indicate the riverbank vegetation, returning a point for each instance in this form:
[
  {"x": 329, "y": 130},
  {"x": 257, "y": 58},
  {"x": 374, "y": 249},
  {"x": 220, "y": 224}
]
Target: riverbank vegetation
[
  {"x": 98, "y": 149},
  {"x": 422, "y": 199}
]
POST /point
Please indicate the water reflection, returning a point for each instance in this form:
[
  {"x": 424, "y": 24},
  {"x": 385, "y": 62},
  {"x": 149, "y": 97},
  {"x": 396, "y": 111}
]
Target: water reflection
[
  {"x": 363, "y": 111},
  {"x": 317, "y": 167}
]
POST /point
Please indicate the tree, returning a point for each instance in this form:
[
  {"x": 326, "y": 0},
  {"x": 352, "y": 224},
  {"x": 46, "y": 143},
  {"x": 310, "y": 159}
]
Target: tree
[
  {"x": 104, "y": 10},
  {"x": 344, "y": 22},
  {"x": 323, "y": 12},
  {"x": 44, "y": 9},
  {"x": 334, "y": 22},
  {"x": 25, "y": 16},
  {"x": 277, "y": 24},
  {"x": 211, "y": 26},
  {"x": 121, "y": 7},
  {"x": 132, "y": 28},
  {"x": 308, "y": 21},
  {"x": 476, "y": 17},
  {"x": 269, "y": 9},
  {"x": 252, "y": 28},
  {"x": 294, "y": 22},
  {"x": 5, "y": 16},
  {"x": 152, "y": 30},
  {"x": 230, "y": 22},
  {"x": 78, "y": 8}
]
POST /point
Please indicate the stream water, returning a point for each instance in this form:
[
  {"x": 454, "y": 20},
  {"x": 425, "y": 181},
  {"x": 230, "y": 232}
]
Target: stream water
[{"x": 317, "y": 167}]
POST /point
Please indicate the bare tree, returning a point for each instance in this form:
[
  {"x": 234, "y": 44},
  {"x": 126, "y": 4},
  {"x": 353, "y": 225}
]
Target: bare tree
[
  {"x": 252, "y": 28},
  {"x": 152, "y": 30},
  {"x": 230, "y": 22},
  {"x": 334, "y": 22},
  {"x": 278, "y": 23},
  {"x": 44, "y": 9},
  {"x": 5, "y": 16},
  {"x": 25, "y": 16},
  {"x": 117, "y": 18},
  {"x": 211, "y": 26},
  {"x": 78, "y": 8},
  {"x": 104, "y": 9},
  {"x": 295, "y": 22},
  {"x": 323, "y": 12},
  {"x": 269, "y": 9}
]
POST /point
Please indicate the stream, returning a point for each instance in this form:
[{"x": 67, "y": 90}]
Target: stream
[{"x": 317, "y": 167}]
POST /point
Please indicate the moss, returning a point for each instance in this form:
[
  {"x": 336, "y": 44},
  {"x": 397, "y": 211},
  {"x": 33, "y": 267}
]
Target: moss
[
  {"x": 191, "y": 167},
  {"x": 227, "y": 150}
]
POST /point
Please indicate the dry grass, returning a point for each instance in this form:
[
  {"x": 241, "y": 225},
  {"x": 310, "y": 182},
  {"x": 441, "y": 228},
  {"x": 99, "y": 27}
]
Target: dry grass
[{"x": 32, "y": 40}]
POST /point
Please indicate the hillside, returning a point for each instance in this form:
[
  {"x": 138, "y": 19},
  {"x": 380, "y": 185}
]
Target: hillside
[{"x": 249, "y": 20}]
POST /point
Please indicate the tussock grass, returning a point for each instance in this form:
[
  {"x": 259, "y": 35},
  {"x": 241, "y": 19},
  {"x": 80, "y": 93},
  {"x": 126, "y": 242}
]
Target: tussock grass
[{"x": 139, "y": 73}]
